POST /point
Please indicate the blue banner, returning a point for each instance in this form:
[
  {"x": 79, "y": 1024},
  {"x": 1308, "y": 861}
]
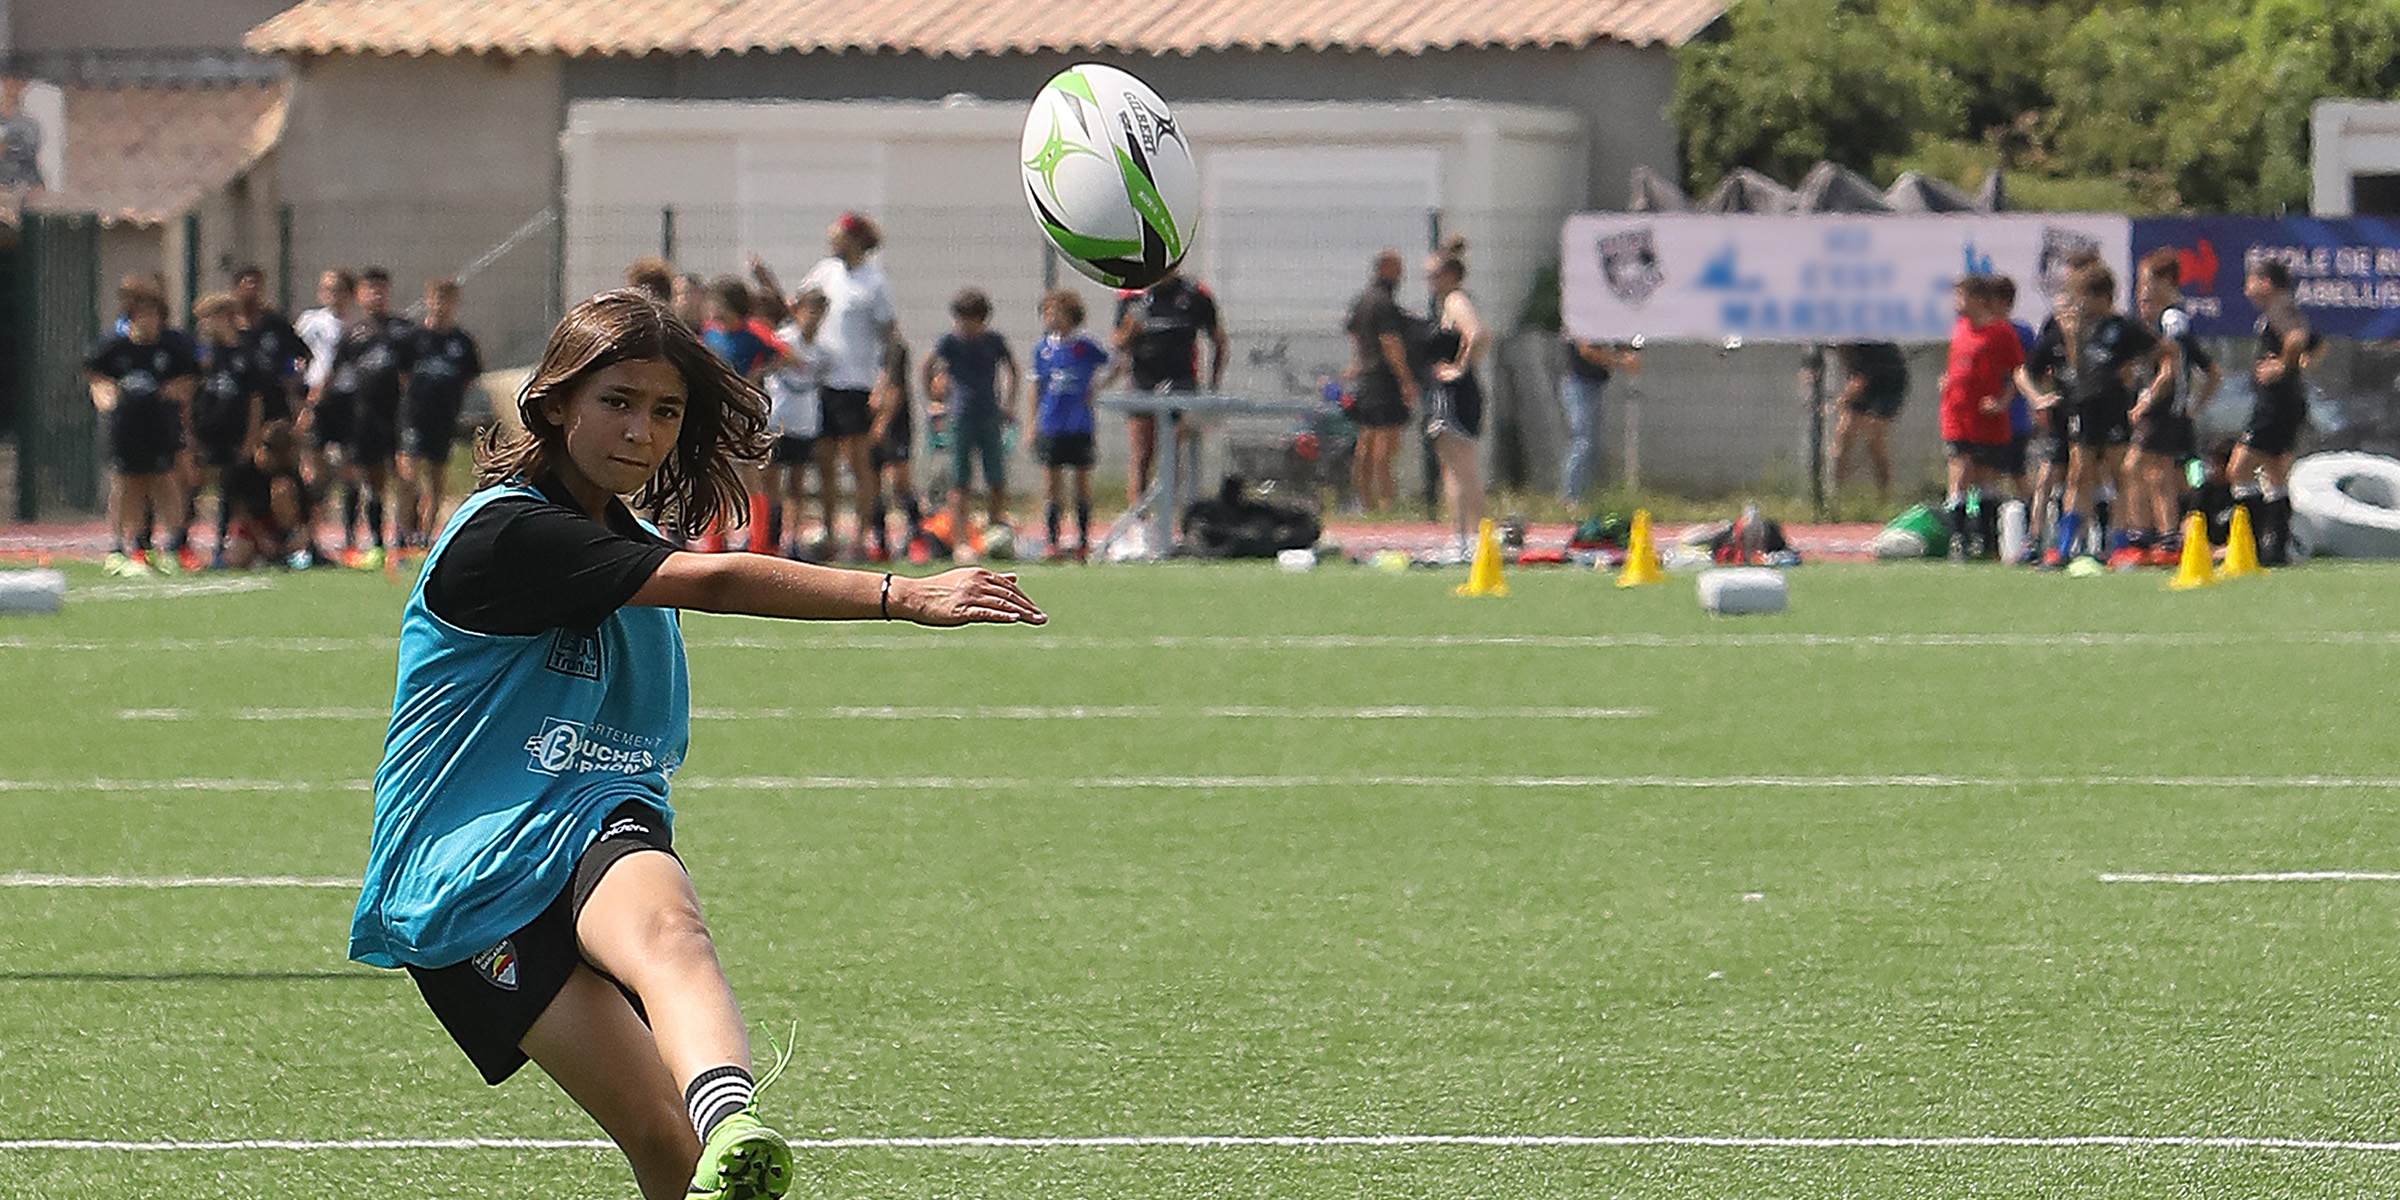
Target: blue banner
[{"x": 2345, "y": 273}]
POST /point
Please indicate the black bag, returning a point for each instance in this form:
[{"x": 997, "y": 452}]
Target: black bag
[{"x": 1235, "y": 526}]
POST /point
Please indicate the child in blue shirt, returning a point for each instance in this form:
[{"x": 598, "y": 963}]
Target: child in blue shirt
[{"x": 1069, "y": 366}]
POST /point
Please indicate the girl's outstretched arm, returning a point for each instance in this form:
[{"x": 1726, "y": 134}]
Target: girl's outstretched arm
[{"x": 761, "y": 585}]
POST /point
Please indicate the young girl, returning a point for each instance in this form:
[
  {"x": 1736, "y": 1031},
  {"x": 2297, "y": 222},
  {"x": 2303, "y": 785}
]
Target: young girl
[
  {"x": 1454, "y": 403},
  {"x": 521, "y": 866}
]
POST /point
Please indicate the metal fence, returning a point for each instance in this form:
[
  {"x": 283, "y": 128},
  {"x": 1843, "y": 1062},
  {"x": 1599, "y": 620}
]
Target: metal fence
[{"x": 49, "y": 316}]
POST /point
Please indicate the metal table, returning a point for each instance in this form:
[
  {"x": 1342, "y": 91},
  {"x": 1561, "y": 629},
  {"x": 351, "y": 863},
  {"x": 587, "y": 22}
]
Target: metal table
[{"x": 1159, "y": 506}]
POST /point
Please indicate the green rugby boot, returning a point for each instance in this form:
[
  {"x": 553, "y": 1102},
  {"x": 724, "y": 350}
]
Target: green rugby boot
[{"x": 743, "y": 1160}]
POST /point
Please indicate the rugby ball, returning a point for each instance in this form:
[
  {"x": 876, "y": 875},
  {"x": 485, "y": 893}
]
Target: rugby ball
[{"x": 1109, "y": 176}]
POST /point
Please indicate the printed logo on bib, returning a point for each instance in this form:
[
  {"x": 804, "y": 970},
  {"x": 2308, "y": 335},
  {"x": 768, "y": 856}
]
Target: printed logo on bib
[
  {"x": 571, "y": 747},
  {"x": 498, "y": 965},
  {"x": 574, "y": 653}
]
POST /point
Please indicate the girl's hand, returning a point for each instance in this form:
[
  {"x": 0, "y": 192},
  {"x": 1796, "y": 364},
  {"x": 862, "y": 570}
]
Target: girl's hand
[
  {"x": 966, "y": 596},
  {"x": 1448, "y": 372},
  {"x": 2269, "y": 370}
]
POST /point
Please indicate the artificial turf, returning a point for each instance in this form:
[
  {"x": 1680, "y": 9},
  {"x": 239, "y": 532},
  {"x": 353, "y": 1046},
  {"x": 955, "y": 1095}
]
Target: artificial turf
[{"x": 1151, "y": 871}]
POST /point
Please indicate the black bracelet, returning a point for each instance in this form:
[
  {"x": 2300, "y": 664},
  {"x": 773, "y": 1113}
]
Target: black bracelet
[{"x": 886, "y": 604}]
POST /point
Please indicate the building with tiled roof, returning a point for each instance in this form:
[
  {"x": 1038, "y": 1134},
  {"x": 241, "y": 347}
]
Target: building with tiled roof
[{"x": 442, "y": 121}]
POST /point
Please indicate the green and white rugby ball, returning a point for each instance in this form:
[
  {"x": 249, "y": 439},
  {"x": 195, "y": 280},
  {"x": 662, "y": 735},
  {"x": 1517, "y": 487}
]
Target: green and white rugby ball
[{"x": 1109, "y": 176}]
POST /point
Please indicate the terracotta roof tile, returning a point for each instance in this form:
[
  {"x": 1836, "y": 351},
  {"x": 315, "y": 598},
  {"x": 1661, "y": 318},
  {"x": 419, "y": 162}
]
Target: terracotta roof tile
[
  {"x": 965, "y": 27},
  {"x": 146, "y": 155}
]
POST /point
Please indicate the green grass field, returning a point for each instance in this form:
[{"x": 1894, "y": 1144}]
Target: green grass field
[{"x": 1227, "y": 853}]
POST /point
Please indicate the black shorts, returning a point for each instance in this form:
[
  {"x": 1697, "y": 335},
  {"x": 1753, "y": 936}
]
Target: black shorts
[
  {"x": 374, "y": 441},
  {"x": 1377, "y": 403},
  {"x": 144, "y": 438},
  {"x": 2101, "y": 424},
  {"x": 1992, "y": 456},
  {"x": 788, "y": 450},
  {"x": 334, "y": 423},
  {"x": 1455, "y": 407},
  {"x": 490, "y": 1001},
  {"x": 2274, "y": 429},
  {"x": 2056, "y": 442},
  {"x": 216, "y": 449},
  {"x": 2168, "y": 436},
  {"x": 2012, "y": 457},
  {"x": 1175, "y": 386},
  {"x": 846, "y": 413},
  {"x": 1881, "y": 398},
  {"x": 1065, "y": 450}
]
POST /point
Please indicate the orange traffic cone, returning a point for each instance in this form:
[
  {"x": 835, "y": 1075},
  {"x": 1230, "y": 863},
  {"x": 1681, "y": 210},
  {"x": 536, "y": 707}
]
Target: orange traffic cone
[
  {"x": 2194, "y": 569},
  {"x": 2241, "y": 548},
  {"x": 1641, "y": 558},
  {"x": 1483, "y": 578}
]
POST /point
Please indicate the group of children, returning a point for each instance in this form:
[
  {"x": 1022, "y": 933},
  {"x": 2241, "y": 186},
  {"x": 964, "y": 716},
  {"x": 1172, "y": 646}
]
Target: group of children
[
  {"x": 2092, "y": 421},
  {"x": 269, "y": 415},
  {"x": 973, "y": 385}
]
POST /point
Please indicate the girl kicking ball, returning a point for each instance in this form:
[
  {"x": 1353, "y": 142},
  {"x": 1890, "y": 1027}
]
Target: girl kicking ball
[{"x": 521, "y": 867}]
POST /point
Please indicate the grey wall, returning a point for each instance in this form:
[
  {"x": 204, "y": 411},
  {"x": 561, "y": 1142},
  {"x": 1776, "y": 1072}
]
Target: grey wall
[
  {"x": 43, "y": 25},
  {"x": 1620, "y": 91},
  {"x": 422, "y": 165}
]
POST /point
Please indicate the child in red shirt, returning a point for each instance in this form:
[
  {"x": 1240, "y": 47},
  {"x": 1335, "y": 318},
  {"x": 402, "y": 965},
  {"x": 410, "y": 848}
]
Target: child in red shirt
[{"x": 1984, "y": 356}]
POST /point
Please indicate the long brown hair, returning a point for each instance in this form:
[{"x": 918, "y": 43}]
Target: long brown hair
[{"x": 724, "y": 417}]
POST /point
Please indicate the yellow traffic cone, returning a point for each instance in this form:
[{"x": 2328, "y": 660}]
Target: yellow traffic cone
[
  {"x": 1483, "y": 578},
  {"x": 2241, "y": 548},
  {"x": 2194, "y": 569},
  {"x": 1641, "y": 558}
]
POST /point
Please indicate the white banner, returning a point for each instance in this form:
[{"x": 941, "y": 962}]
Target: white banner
[{"x": 1682, "y": 277}]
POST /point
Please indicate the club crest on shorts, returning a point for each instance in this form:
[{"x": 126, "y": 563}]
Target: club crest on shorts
[
  {"x": 574, "y": 653},
  {"x": 498, "y": 965},
  {"x": 1629, "y": 261}
]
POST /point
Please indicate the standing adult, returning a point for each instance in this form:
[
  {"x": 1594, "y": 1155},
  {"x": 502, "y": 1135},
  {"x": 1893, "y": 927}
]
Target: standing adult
[
  {"x": 1454, "y": 399},
  {"x": 1159, "y": 333},
  {"x": 860, "y": 323},
  {"x": 1874, "y": 386},
  {"x": 1590, "y": 365},
  {"x": 1383, "y": 388}
]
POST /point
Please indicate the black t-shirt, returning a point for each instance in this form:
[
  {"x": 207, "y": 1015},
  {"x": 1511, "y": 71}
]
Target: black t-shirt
[
  {"x": 1376, "y": 312},
  {"x": 229, "y": 377},
  {"x": 368, "y": 363},
  {"x": 142, "y": 372},
  {"x": 442, "y": 362},
  {"x": 2175, "y": 325},
  {"x": 1166, "y": 342},
  {"x": 250, "y": 489},
  {"x": 275, "y": 343},
  {"x": 2109, "y": 348},
  {"x": 523, "y": 565},
  {"x": 2275, "y": 326}
]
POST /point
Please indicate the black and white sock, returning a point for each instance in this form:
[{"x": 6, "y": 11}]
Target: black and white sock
[{"x": 718, "y": 1093}]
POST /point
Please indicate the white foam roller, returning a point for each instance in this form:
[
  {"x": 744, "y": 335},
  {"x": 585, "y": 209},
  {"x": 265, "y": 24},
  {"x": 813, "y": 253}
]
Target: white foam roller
[
  {"x": 1740, "y": 591},
  {"x": 32, "y": 591},
  {"x": 2347, "y": 504}
]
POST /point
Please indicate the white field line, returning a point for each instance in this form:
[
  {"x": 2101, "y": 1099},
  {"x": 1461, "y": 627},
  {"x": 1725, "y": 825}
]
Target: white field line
[
  {"x": 993, "y": 639},
  {"x": 1130, "y": 783},
  {"x": 167, "y": 591},
  {"x": 25, "y": 879},
  {"x": 2252, "y": 877},
  {"x": 1016, "y": 712},
  {"x": 1385, "y": 1141}
]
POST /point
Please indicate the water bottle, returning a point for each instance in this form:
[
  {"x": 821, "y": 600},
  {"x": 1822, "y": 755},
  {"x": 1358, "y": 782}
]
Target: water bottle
[{"x": 2013, "y": 531}]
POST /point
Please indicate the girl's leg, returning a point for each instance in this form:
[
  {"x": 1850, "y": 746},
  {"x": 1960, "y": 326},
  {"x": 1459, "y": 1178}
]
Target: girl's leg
[
  {"x": 1462, "y": 482},
  {"x": 1056, "y": 501},
  {"x": 1879, "y": 453},
  {"x": 829, "y": 452},
  {"x": 605, "y": 1059},
  {"x": 642, "y": 926}
]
